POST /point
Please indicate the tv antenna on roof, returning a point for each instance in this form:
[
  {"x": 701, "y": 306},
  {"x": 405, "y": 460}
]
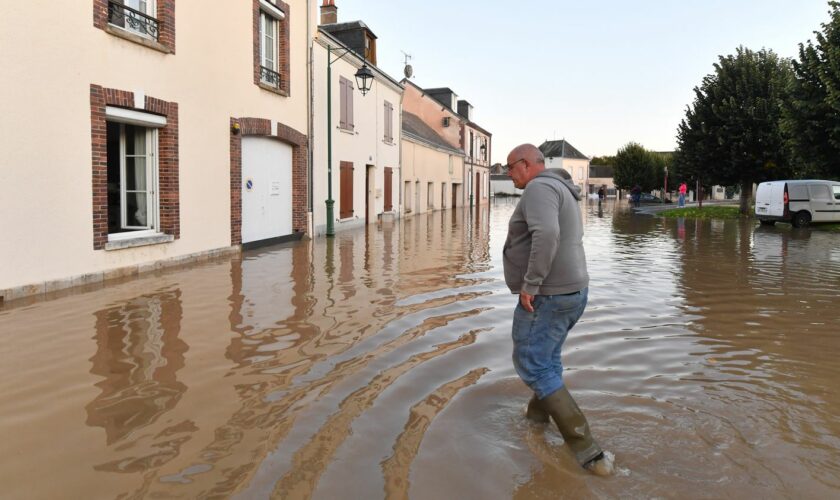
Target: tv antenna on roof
[{"x": 408, "y": 70}]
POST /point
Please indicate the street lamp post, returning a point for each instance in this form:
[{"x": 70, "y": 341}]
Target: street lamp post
[
  {"x": 364, "y": 77},
  {"x": 665, "y": 191}
]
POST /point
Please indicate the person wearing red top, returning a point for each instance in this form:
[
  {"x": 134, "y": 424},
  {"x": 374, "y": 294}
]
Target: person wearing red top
[{"x": 683, "y": 190}]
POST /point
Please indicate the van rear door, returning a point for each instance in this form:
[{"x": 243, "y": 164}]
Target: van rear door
[
  {"x": 777, "y": 199},
  {"x": 769, "y": 199}
]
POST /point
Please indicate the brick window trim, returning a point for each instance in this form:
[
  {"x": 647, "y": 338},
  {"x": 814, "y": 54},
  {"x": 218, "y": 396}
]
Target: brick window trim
[
  {"x": 168, "y": 176},
  {"x": 262, "y": 127},
  {"x": 283, "y": 51},
  {"x": 165, "y": 16}
]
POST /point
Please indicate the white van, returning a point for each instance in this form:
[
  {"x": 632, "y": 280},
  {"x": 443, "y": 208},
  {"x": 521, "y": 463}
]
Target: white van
[{"x": 798, "y": 202}]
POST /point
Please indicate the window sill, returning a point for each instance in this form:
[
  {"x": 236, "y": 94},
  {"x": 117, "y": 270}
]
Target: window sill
[
  {"x": 347, "y": 219},
  {"x": 349, "y": 131},
  {"x": 389, "y": 143},
  {"x": 272, "y": 89},
  {"x": 131, "y": 37},
  {"x": 140, "y": 241}
]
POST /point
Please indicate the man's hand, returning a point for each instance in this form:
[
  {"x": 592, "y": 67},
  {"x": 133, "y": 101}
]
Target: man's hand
[{"x": 526, "y": 301}]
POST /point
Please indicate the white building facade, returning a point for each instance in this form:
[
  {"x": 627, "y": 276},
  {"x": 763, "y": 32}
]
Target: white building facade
[
  {"x": 365, "y": 140},
  {"x": 133, "y": 147}
]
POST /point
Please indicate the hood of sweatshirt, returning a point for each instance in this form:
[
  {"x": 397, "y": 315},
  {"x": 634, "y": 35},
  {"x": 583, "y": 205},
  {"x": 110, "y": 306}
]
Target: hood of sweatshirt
[{"x": 562, "y": 176}]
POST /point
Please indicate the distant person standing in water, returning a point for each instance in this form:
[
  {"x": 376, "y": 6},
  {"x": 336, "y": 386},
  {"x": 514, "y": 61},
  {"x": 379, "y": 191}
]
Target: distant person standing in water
[
  {"x": 545, "y": 264},
  {"x": 683, "y": 191},
  {"x": 636, "y": 195}
]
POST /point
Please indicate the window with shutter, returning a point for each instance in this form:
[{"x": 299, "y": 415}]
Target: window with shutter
[
  {"x": 387, "y": 121},
  {"x": 349, "y": 89},
  {"x": 342, "y": 104}
]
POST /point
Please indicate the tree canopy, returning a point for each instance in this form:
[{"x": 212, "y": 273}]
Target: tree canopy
[
  {"x": 602, "y": 160},
  {"x": 812, "y": 111},
  {"x": 732, "y": 134},
  {"x": 635, "y": 165}
]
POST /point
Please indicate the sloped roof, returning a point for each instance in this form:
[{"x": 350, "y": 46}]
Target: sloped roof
[
  {"x": 498, "y": 169},
  {"x": 478, "y": 127},
  {"x": 348, "y": 26},
  {"x": 416, "y": 128},
  {"x": 330, "y": 39},
  {"x": 561, "y": 149}
]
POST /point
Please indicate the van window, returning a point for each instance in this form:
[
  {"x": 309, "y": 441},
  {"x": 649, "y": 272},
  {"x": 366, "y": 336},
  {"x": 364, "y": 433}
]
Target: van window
[
  {"x": 819, "y": 192},
  {"x": 798, "y": 192},
  {"x": 836, "y": 192}
]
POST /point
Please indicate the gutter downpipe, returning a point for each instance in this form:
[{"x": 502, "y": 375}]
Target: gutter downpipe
[
  {"x": 400, "y": 175},
  {"x": 310, "y": 189}
]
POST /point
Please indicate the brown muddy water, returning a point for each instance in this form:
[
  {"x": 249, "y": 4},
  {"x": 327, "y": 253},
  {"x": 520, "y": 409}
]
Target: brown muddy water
[{"x": 378, "y": 365}]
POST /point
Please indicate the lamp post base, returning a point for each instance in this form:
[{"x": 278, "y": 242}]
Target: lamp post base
[{"x": 330, "y": 219}]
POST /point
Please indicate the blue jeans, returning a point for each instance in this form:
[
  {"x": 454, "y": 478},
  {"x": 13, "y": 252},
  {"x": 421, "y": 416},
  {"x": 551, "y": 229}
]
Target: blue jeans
[
  {"x": 538, "y": 339},
  {"x": 682, "y": 200}
]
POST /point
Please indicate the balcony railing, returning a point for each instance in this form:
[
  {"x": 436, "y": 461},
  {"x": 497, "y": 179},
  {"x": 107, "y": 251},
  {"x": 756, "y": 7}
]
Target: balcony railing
[
  {"x": 270, "y": 77},
  {"x": 133, "y": 20}
]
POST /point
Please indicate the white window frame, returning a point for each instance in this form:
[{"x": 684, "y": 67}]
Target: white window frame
[
  {"x": 150, "y": 10},
  {"x": 272, "y": 10},
  {"x": 151, "y": 191},
  {"x": 269, "y": 40},
  {"x": 151, "y": 123}
]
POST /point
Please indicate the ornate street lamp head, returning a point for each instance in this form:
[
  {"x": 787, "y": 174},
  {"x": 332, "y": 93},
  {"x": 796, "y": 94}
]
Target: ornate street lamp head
[{"x": 364, "y": 79}]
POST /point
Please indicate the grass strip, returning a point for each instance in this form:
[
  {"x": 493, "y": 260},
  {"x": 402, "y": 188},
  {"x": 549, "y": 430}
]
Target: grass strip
[{"x": 709, "y": 212}]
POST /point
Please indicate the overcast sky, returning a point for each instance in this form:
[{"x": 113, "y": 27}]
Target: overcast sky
[{"x": 597, "y": 73}]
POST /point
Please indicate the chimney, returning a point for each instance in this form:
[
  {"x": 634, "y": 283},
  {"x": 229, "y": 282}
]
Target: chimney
[{"x": 329, "y": 12}]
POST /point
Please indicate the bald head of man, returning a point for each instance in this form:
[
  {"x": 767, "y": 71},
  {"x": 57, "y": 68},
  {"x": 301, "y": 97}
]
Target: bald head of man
[{"x": 524, "y": 163}]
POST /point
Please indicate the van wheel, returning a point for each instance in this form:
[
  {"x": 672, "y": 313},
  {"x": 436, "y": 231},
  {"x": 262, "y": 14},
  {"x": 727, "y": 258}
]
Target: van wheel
[
  {"x": 765, "y": 222},
  {"x": 801, "y": 219}
]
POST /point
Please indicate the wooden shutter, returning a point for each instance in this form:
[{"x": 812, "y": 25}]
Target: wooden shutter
[
  {"x": 388, "y": 182},
  {"x": 389, "y": 137},
  {"x": 385, "y": 121},
  {"x": 390, "y": 122},
  {"x": 342, "y": 85},
  {"x": 349, "y": 104},
  {"x": 346, "y": 190}
]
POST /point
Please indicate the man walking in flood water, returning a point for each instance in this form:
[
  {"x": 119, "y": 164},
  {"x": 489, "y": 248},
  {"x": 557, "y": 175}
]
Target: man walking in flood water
[{"x": 544, "y": 262}]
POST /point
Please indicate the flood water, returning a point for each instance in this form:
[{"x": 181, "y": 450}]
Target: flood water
[{"x": 377, "y": 365}]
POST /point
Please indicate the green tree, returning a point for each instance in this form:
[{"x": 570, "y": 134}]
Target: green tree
[
  {"x": 812, "y": 113},
  {"x": 732, "y": 134},
  {"x": 634, "y": 165},
  {"x": 602, "y": 160}
]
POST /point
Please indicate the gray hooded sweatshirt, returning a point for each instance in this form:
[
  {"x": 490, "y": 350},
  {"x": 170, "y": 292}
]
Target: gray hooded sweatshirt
[{"x": 543, "y": 253}]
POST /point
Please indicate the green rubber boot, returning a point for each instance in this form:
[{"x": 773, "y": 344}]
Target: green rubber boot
[
  {"x": 535, "y": 411},
  {"x": 573, "y": 426}
]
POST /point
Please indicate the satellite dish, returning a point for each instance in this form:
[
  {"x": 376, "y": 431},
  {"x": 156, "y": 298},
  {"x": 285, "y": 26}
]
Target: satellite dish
[{"x": 408, "y": 70}]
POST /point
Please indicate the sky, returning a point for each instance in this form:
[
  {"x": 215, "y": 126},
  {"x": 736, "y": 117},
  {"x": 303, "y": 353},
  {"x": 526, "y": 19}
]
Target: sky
[{"x": 599, "y": 74}]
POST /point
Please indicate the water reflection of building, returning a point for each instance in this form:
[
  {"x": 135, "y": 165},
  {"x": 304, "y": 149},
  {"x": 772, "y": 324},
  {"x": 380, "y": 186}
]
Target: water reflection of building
[
  {"x": 339, "y": 293},
  {"x": 440, "y": 247},
  {"x": 292, "y": 309},
  {"x": 138, "y": 354}
]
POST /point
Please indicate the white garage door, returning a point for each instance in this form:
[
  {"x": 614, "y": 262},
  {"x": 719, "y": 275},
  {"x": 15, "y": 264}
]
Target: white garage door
[{"x": 266, "y": 189}]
